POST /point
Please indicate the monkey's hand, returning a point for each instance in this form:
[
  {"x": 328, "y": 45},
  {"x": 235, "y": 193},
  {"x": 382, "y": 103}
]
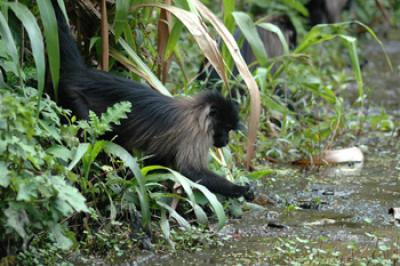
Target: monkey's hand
[
  {"x": 249, "y": 194},
  {"x": 220, "y": 185}
]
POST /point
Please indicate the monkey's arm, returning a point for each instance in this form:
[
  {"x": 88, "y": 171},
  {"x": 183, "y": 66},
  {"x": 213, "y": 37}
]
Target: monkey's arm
[{"x": 218, "y": 184}]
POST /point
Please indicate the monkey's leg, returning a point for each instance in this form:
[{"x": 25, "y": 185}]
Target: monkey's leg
[
  {"x": 72, "y": 99},
  {"x": 218, "y": 184}
]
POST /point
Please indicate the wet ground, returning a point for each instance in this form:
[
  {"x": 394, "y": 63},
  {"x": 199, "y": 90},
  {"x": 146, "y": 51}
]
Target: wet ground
[
  {"x": 338, "y": 208},
  {"x": 323, "y": 216}
]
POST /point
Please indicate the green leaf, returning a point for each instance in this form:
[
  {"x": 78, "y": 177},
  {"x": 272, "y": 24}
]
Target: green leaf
[
  {"x": 63, "y": 207},
  {"x": 229, "y": 8},
  {"x": 181, "y": 221},
  {"x": 4, "y": 177},
  {"x": 17, "y": 219},
  {"x": 173, "y": 38},
  {"x": 51, "y": 36},
  {"x": 297, "y": 5},
  {"x": 351, "y": 44},
  {"x": 63, "y": 9},
  {"x": 57, "y": 234},
  {"x": 275, "y": 29},
  {"x": 165, "y": 228},
  {"x": 187, "y": 185},
  {"x": 249, "y": 30},
  {"x": 214, "y": 202},
  {"x": 112, "y": 115},
  {"x": 80, "y": 151},
  {"x": 131, "y": 163},
  {"x": 314, "y": 36},
  {"x": 35, "y": 36},
  {"x": 185, "y": 182},
  {"x": 144, "y": 68},
  {"x": 27, "y": 189},
  {"x": 60, "y": 152},
  {"x": 6, "y": 34},
  {"x": 90, "y": 156},
  {"x": 229, "y": 22},
  {"x": 113, "y": 209},
  {"x": 121, "y": 16},
  {"x": 69, "y": 194},
  {"x": 260, "y": 173}
]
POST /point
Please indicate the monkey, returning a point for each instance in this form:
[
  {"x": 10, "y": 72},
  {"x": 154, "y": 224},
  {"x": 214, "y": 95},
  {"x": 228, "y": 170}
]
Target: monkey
[
  {"x": 273, "y": 48},
  {"x": 176, "y": 132},
  {"x": 326, "y": 11},
  {"x": 272, "y": 45}
]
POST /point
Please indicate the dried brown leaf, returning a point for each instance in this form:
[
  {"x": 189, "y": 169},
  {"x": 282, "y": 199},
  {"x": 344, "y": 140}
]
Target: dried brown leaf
[
  {"x": 193, "y": 23},
  {"x": 244, "y": 71}
]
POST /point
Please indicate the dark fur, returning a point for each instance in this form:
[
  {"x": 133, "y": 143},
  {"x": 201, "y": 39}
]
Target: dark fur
[
  {"x": 326, "y": 11},
  {"x": 272, "y": 45},
  {"x": 177, "y": 132}
]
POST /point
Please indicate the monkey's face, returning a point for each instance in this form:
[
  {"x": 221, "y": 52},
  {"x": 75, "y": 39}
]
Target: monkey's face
[
  {"x": 225, "y": 118},
  {"x": 221, "y": 137}
]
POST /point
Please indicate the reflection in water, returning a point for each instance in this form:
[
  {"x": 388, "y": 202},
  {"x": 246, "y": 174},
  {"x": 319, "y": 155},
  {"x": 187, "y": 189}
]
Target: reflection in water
[
  {"x": 341, "y": 170},
  {"x": 383, "y": 84}
]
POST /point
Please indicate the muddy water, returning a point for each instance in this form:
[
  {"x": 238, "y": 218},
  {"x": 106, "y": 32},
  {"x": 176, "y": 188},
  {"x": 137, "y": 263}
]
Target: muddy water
[
  {"x": 335, "y": 207},
  {"x": 338, "y": 207}
]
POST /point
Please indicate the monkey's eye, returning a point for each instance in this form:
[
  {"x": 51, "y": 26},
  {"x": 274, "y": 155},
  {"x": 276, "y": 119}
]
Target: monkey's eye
[{"x": 213, "y": 111}]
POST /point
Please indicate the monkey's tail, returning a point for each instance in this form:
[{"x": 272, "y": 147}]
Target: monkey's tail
[{"x": 70, "y": 57}]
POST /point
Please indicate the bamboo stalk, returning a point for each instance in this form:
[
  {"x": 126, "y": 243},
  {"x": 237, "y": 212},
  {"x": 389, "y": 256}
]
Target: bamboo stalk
[
  {"x": 105, "y": 47},
  {"x": 163, "y": 36}
]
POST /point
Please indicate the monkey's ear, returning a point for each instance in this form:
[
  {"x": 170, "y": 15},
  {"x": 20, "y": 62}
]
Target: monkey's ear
[{"x": 205, "y": 118}]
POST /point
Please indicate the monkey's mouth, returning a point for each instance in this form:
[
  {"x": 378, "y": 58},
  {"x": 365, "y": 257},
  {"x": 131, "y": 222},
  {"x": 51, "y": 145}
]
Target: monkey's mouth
[{"x": 220, "y": 144}]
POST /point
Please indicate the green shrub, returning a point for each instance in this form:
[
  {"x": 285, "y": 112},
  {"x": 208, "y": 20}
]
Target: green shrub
[{"x": 36, "y": 188}]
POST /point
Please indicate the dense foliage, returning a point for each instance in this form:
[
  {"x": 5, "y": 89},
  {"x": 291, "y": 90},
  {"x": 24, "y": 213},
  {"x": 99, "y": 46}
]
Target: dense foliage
[{"x": 37, "y": 188}]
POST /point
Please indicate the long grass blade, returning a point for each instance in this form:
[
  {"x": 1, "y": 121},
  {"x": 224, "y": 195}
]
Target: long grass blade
[
  {"x": 131, "y": 163},
  {"x": 214, "y": 202},
  {"x": 194, "y": 25},
  {"x": 121, "y": 16},
  {"x": 181, "y": 221},
  {"x": 351, "y": 44},
  {"x": 36, "y": 39},
  {"x": 200, "y": 214},
  {"x": 229, "y": 22},
  {"x": 6, "y": 34},
  {"x": 187, "y": 185},
  {"x": 249, "y": 30},
  {"x": 79, "y": 153},
  {"x": 51, "y": 37},
  {"x": 173, "y": 39},
  {"x": 165, "y": 228},
  {"x": 149, "y": 75},
  {"x": 275, "y": 29},
  {"x": 244, "y": 72}
]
